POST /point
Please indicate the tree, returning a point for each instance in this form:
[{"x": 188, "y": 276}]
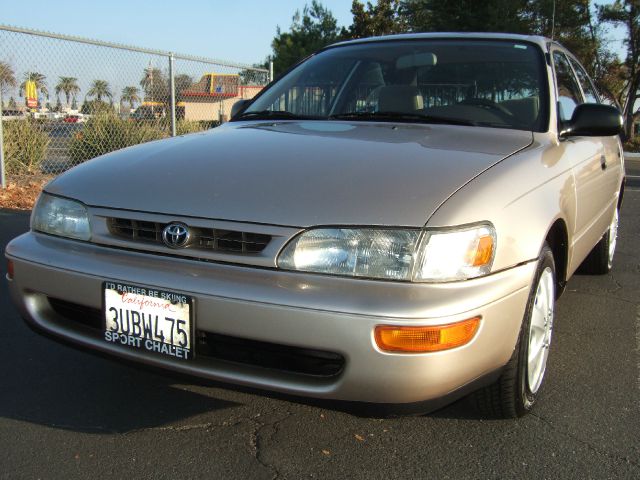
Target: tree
[
  {"x": 572, "y": 26},
  {"x": 466, "y": 15},
  {"x": 130, "y": 95},
  {"x": 612, "y": 82},
  {"x": 7, "y": 77},
  {"x": 155, "y": 85},
  {"x": 627, "y": 14},
  {"x": 314, "y": 29},
  {"x": 68, "y": 86},
  {"x": 92, "y": 107},
  {"x": 99, "y": 89},
  {"x": 382, "y": 19},
  {"x": 249, "y": 76},
  {"x": 182, "y": 83},
  {"x": 39, "y": 79}
]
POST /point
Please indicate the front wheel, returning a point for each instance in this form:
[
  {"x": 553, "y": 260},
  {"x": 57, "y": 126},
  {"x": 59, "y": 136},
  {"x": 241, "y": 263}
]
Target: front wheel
[{"x": 516, "y": 391}]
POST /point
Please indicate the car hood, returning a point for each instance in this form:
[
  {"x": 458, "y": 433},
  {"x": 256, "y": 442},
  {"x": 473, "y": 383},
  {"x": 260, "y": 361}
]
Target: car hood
[{"x": 295, "y": 173}]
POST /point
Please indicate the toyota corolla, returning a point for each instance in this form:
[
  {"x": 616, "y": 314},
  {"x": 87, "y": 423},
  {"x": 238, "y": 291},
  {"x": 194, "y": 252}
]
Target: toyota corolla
[{"x": 389, "y": 222}]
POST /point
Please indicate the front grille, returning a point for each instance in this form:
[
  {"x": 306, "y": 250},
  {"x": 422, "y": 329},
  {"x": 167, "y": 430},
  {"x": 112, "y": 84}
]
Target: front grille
[
  {"x": 210, "y": 239},
  {"x": 87, "y": 316},
  {"x": 275, "y": 356},
  {"x": 136, "y": 230}
]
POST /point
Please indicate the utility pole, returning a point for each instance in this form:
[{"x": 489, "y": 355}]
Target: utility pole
[{"x": 172, "y": 88}]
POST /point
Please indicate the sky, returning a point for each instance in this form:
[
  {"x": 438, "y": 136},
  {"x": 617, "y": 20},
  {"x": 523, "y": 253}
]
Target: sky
[{"x": 237, "y": 31}]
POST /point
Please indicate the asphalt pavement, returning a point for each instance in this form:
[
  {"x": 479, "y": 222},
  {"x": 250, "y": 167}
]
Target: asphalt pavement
[
  {"x": 68, "y": 414},
  {"x": 632, "y": 167}
]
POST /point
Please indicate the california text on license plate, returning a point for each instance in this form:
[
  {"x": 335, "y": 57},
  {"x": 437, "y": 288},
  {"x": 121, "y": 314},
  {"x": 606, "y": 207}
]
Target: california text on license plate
[{"x": 148, "y": 319}]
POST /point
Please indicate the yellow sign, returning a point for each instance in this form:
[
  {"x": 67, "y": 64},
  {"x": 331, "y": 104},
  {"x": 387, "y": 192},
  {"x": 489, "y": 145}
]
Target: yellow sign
[{"x": 31, "y": 93}]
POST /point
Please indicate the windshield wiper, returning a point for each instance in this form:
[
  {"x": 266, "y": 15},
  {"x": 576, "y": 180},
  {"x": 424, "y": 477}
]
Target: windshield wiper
[
  {"x": 401, "y": 117},
  {"x": 274, "y": 115}
]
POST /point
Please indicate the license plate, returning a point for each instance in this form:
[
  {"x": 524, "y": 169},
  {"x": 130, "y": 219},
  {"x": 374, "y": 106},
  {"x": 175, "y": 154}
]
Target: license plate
[{"x": 148, "y": 319}]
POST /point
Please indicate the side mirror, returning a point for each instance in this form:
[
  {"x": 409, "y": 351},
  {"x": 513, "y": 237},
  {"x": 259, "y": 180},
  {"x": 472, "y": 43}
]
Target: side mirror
[
  {"x": 593, "y": 120},
  {"x": 238, "y": 107}
]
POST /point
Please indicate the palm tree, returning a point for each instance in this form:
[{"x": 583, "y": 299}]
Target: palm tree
[
  {"x": 154, "y": 84},
  {"x": 37, "y": 78},
  {"x": 7, "y": 76},
  {"x": 99, "y": 89},
  {"x": 130, "y": 95},
  {"x": 69, "y": 86}
]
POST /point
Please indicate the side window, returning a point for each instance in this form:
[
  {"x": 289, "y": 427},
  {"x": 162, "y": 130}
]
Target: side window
[
  {"x": 590, "y": 95},
  {"x": 569, "y": 96}
]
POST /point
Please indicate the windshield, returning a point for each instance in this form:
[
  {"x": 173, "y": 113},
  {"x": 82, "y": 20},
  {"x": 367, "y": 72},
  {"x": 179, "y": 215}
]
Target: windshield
[{"x": 464, "y": 82}]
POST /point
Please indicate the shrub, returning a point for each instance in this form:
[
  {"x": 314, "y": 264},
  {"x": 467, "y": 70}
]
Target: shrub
[
  {"x": 633, "y": 144},
  {"x": 184, "y": 127},
  {"x": 93, "y": 107},
  {"x": 106, "y": 132},
  {"x": 25, "y": 146}
]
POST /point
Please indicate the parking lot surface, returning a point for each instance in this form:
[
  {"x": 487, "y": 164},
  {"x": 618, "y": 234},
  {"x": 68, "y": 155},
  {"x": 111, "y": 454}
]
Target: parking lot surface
[{"x": 68, "y": 414}]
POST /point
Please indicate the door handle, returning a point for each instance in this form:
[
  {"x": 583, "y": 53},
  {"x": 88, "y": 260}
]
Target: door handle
[{"x": 603, "y": 162}]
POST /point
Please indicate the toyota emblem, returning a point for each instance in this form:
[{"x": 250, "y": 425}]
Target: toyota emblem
[{"x": 176, "y": 235}]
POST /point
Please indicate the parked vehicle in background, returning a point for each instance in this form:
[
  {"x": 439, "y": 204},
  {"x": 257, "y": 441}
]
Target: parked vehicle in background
[
  {"x": 13, "y": 115},
  {"x": 391, "y": 222},
  {"x": 76, "y": 118},
  {"x": 150, "y": 111}
]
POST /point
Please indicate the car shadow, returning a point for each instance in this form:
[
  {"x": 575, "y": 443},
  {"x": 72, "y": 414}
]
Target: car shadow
[
  {"x": 49, "y": 384},
  {"x": 46, "y": 383},
  {"x": 462, "y": 409}
]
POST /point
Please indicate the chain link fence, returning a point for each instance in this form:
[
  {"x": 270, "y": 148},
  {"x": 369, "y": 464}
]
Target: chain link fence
[{"x": 65, "y": 100}]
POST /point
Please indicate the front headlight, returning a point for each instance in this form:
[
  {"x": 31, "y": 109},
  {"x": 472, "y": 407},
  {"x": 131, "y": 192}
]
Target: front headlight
[
  {"x": 61, "y": 216},
  {"x": 362, "y": 252},
  {"x": 393, "y": 254}
]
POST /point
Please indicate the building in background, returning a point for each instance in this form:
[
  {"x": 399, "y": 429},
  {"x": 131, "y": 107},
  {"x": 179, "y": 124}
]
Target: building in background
[{"x": 213, "y": 96}]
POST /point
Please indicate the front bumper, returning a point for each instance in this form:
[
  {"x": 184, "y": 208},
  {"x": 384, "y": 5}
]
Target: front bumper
[{"x": 296, "y": 309}]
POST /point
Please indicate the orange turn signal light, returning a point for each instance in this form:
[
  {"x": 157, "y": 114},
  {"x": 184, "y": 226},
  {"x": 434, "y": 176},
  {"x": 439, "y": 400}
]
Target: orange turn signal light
[
  {"x": 10, "y": 269},
  {"x": 392, "y": 338},
  {"x": 481, "y": 254}
]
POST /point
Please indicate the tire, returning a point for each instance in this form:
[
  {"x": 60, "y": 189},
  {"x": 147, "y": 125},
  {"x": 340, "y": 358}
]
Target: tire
[
  {"x": 516, "y": 391},
  {"x": 600, "y": 259}
]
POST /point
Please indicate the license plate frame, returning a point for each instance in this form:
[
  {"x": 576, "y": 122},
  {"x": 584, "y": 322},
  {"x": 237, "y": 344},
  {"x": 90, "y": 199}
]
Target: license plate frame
[{"x": 149, "y": 336}]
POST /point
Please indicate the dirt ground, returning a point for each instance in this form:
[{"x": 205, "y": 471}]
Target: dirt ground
[{"x": 22, "y": 191}]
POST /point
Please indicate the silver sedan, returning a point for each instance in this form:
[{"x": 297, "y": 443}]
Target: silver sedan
[{"x": 390, "y": 222}]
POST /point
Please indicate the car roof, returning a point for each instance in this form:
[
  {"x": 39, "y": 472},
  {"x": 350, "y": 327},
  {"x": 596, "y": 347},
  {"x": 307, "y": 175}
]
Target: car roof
[{"x": 543, "y": 42}]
